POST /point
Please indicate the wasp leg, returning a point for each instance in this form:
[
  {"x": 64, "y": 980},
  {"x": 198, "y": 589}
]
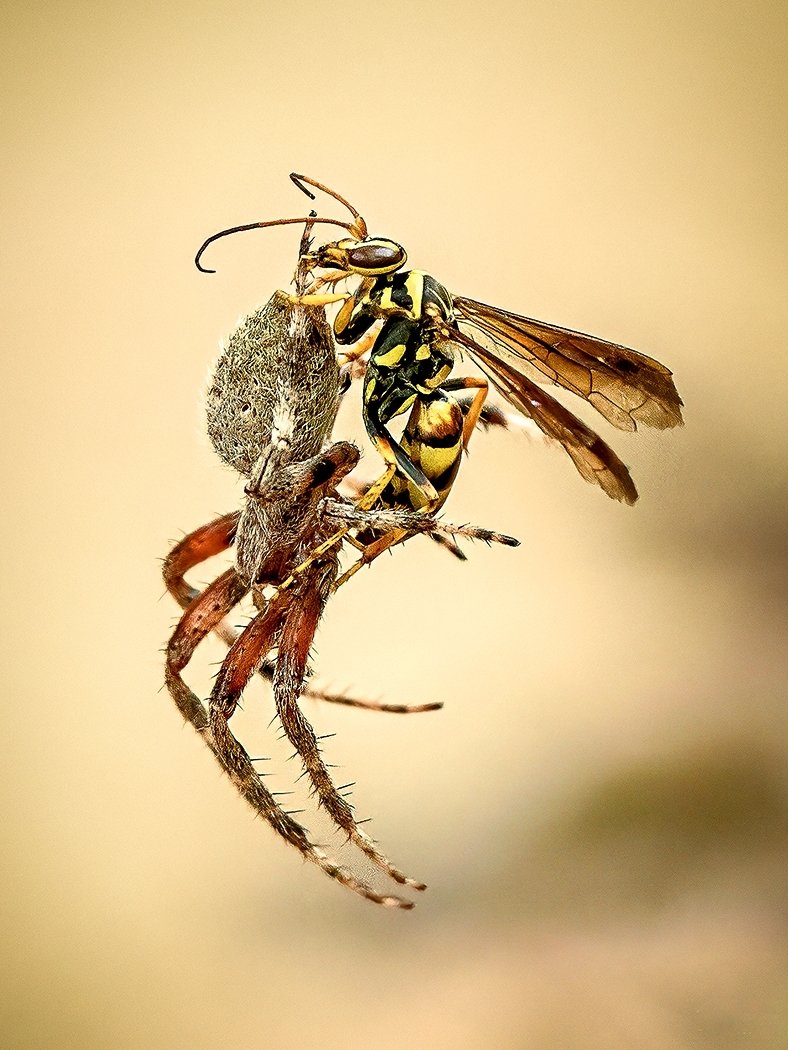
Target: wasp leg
[
  {"x": 474, "y": 410},
  {"x": 359, "y": 348},
  {"x": 396, "y": 459},
  {"x": 321, "y": 299},
  {"x": 298, "y": 631},
  {"x": 239, "y": 665}
]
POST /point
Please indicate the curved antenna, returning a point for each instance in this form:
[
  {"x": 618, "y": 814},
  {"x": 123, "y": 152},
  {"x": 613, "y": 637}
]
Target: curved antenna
[
  {"x": 271, "y": 222},
  {"x": 299, "y": 180}
]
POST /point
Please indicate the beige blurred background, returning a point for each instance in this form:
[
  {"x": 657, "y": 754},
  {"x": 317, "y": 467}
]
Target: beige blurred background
[{"x": 599, "y": 810}]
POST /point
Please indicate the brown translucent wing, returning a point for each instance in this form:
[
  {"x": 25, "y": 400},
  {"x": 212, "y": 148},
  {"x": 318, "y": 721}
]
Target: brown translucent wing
[
  {"x": 594, "y": 459},
  {"x": 626, "y": 387}
]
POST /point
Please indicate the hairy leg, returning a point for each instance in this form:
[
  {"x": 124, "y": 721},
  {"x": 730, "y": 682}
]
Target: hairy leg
[
  {"x": 202, "y": 616},
  {"x": 217, "y": 536},
  {"x": 212, "y": 539},
  {"x": 296, "y": 638},
  {"x": 246, "y": 653},
  {"x": 397, "y": 526},
  {"x": 197, "y": 547}
]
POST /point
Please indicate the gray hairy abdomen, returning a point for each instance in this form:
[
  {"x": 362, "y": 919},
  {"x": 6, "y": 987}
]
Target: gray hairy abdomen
[{"x": 277, "y": 378}]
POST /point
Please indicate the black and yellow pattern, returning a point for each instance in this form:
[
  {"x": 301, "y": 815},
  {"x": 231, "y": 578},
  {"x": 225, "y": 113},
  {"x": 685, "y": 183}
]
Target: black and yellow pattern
[
  {"x": 409, "y": 364},
  {"x": 420, "y": 323}
]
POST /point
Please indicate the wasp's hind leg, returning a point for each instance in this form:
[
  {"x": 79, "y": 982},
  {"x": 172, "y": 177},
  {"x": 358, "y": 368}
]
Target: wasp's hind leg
[{"x": 471, "y": 410}]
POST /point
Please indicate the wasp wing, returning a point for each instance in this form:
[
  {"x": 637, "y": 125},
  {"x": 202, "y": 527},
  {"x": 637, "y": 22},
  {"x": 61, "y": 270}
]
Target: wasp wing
[
  {"x": 594, "y": 459},
  {"x": 626, "y": 387}
]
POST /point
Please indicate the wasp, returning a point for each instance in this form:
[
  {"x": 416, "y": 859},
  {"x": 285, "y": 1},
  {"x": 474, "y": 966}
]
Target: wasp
[{"x": 414, "y": 329}]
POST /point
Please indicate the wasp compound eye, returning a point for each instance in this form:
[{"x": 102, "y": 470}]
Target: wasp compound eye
[{"x": 377, "y": 256}]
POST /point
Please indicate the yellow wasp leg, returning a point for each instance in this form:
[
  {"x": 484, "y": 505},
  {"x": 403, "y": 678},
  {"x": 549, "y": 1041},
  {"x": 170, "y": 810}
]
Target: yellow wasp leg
[
  {"x": 365, "y": 503},
  {"x": 370, "y": 552},
  {"x": 324, "y": 299},
  {"x": 366, "y": 342}
]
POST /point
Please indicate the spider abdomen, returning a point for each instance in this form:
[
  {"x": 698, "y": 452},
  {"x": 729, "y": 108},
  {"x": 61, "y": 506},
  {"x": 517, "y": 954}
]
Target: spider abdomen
[{"x": 276, "y": 359}]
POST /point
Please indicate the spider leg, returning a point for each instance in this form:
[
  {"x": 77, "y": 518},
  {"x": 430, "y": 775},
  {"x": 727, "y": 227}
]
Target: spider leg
[
  {"x": 370, "y": 705},
  {"x": 266, "y": 670},
  {"x": 212, "y": 539},
  {"x": 198, "y": 546},
  {"x": 398, "y": 525},
  {"x": 449, "y": 545},
  {"x": 297, "y": 634},
  {"x": 239, "y": 665},
  {"x": 203, "y": 615}
]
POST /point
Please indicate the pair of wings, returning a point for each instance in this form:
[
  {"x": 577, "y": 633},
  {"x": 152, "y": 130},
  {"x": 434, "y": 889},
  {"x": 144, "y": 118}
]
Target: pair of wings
[{"x": 626, "y": 387}]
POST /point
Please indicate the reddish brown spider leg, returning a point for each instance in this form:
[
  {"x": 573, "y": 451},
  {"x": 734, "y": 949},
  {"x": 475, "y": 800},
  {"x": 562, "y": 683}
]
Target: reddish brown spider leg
[
  {"x": 238, "y": 667},
  {"x": 198, "y": 546},
  {"x": 192, "y": 550},
  {"x": 201, "y": 617},
  {"x": 212, "y": 539},
  {"x": 296, "y": 639}
]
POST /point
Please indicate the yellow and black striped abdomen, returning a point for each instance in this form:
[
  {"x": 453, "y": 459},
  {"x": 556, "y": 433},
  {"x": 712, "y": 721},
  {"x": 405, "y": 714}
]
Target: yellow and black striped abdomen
[{"x": 432, "y": 440}]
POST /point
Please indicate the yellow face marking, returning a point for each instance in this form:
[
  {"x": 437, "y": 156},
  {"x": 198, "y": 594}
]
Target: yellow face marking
[{"x": 369, "y": 387}]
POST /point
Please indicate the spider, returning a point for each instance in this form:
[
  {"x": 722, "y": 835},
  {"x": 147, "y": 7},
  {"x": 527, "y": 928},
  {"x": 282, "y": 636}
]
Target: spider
[{"x": 271, "y": 406}]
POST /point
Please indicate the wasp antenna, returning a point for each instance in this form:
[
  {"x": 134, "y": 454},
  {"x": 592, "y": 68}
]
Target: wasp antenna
[
  {"x": 352, "y": 229},
  {"x": 360, "y": 225},
  {"x": 297, "y": 181}
]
